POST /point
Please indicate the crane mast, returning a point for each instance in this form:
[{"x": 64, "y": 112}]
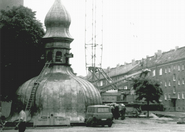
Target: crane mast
[{"x": 93, "y": 36}]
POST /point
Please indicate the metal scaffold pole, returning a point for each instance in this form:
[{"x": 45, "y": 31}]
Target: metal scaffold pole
[{"x": 93, "y": 35}]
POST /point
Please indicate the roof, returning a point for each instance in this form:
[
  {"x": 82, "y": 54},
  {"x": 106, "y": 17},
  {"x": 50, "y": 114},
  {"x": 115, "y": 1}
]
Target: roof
[
  {"x": 172, "y": 55},
  {"x": 122, "y": 69},
  {"x": 158, "y": 58},
  {"x": 161, "y": 58}
]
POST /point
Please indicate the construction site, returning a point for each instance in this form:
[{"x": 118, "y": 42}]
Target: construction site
[{"x": 58, "y": 97}]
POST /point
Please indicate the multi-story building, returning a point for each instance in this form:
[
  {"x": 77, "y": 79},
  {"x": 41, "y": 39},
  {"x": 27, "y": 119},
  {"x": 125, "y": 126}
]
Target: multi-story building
[
  {"x": 7, "y": 4},
  {"x": 167, "y": 67},
  {"x": 170, "y": 72}
]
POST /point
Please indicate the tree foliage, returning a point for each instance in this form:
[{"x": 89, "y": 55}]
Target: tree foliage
[
  {"x": 21, "y": 48},
  {"x": 147, "y": 88}
]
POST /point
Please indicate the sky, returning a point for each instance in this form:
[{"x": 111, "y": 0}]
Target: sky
[{"x": 132, "y": 29}]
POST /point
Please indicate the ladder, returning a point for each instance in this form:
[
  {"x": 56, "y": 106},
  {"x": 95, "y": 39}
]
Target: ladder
[{"x": 34, "y": 89}]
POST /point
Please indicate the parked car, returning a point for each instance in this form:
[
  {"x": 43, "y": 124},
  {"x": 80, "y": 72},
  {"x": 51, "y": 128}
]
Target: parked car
[{"x": 98, "y": 115}]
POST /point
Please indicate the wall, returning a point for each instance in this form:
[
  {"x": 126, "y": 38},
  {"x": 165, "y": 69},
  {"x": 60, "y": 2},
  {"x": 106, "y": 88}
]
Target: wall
[
  {"x": 6, "y": 4},
  {"x": 169, "y": 69},
  {"x": 173, "y": 85}
]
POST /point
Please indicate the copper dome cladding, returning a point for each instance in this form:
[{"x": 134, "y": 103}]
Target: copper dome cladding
[
  {"x": 60, "y": 91},
  {"x": 57, "y": 21}
]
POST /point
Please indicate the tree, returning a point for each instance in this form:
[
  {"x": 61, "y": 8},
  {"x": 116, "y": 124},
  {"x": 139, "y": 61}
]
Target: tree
[
  {"x": 148, "y": 89},
  {"x": 21, "y": 48}
]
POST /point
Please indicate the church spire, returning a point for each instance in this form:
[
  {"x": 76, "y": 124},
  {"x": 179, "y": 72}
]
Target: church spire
[
  {"x": 57, "y": 38},
  {"x": 57, "y": 21}
]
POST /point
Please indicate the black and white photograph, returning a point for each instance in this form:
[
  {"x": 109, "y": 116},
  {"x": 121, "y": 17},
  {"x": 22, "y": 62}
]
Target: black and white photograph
[{"x": 92, "y": 65}]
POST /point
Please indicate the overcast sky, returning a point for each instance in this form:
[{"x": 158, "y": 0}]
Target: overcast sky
[{"x": 132, "y": 29}]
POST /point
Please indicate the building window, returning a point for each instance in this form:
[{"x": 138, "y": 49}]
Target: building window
[
  {"x": 160, "y": 71},
  {"x": 183, "y": 81},
  {"x": 147, "y": 74},
  {"x": 169, "y": 69},
  {"x": 153, "y": 72},
  {"x": 179, "y": 68},
  {"x": 169, "y": 97},
  {"x": 49, "y": 56},
  {"x": 67, "y": 60},
  {"x": 122, "y": 97},
  {"x": 125, "y": 87},
  {"x": 165, "y": 70},
  {"x": 174, "y": 90},
  {"x": 165, "y": 97},
  {"x": 58, "y": 56},
  {"x": 165, "y": 84},
  {"x": 179, "y": 82},
  {"x": 169, "y": 84},
  {"x": 182, "y": 95},
  {"x": 178, "y": 96},
  {"x": 182, "y": 67},
  {"x": 174, "y": 67},
  {"x": 174, "y": 77},
  {"x": 101, "y": 83}
]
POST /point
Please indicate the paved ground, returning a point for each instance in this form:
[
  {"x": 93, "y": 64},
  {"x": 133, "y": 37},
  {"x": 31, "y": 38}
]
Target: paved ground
[
  {"x": 127, "y": 125},
  {"x": 170, "y": 114}
]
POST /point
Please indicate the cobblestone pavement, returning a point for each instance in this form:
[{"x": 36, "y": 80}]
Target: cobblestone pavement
[{"x": 127, "y": 125}]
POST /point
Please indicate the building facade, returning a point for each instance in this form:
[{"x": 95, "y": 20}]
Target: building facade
[
  {"x": 171, "y": 73},
  {"x": 7, "y": 4},
  {"x": 167, "y": 67}
]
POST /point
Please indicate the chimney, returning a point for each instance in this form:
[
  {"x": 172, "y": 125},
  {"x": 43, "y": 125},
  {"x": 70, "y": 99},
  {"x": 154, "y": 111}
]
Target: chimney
[
  {"x": 133, "y": 62},
  {"x": 176, "y": 48},
  {"x": 117, "y": 65},
  {"x": 158, "y": 54},
  {"x": 142, "y": 62},
  {"x": 108, "y": 69},
  {"x": 147, "y": 59}
]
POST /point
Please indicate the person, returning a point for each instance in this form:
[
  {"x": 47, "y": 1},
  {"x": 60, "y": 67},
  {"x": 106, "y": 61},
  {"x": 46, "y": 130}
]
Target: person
[
  {"x": 138, "y": 110},
  {"x": 2, "y": 122},
  {"x": 122, "y": 111},
  {"x": 116, "y": 112},
  {"x": 22, "y": 121},
  {"x": 112, "y": 109}
]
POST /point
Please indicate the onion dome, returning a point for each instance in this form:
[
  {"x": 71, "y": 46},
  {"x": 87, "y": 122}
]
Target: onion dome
[
  {"x": 57, "y": 21},
  {"x": 59, "y": 92}
]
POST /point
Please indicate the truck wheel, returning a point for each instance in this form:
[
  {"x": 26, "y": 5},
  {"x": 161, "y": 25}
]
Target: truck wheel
[
  {"x": 88, "y": 121},
  {"x": 110, "y": 124},
  {"x": 93, "y": 121}
]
